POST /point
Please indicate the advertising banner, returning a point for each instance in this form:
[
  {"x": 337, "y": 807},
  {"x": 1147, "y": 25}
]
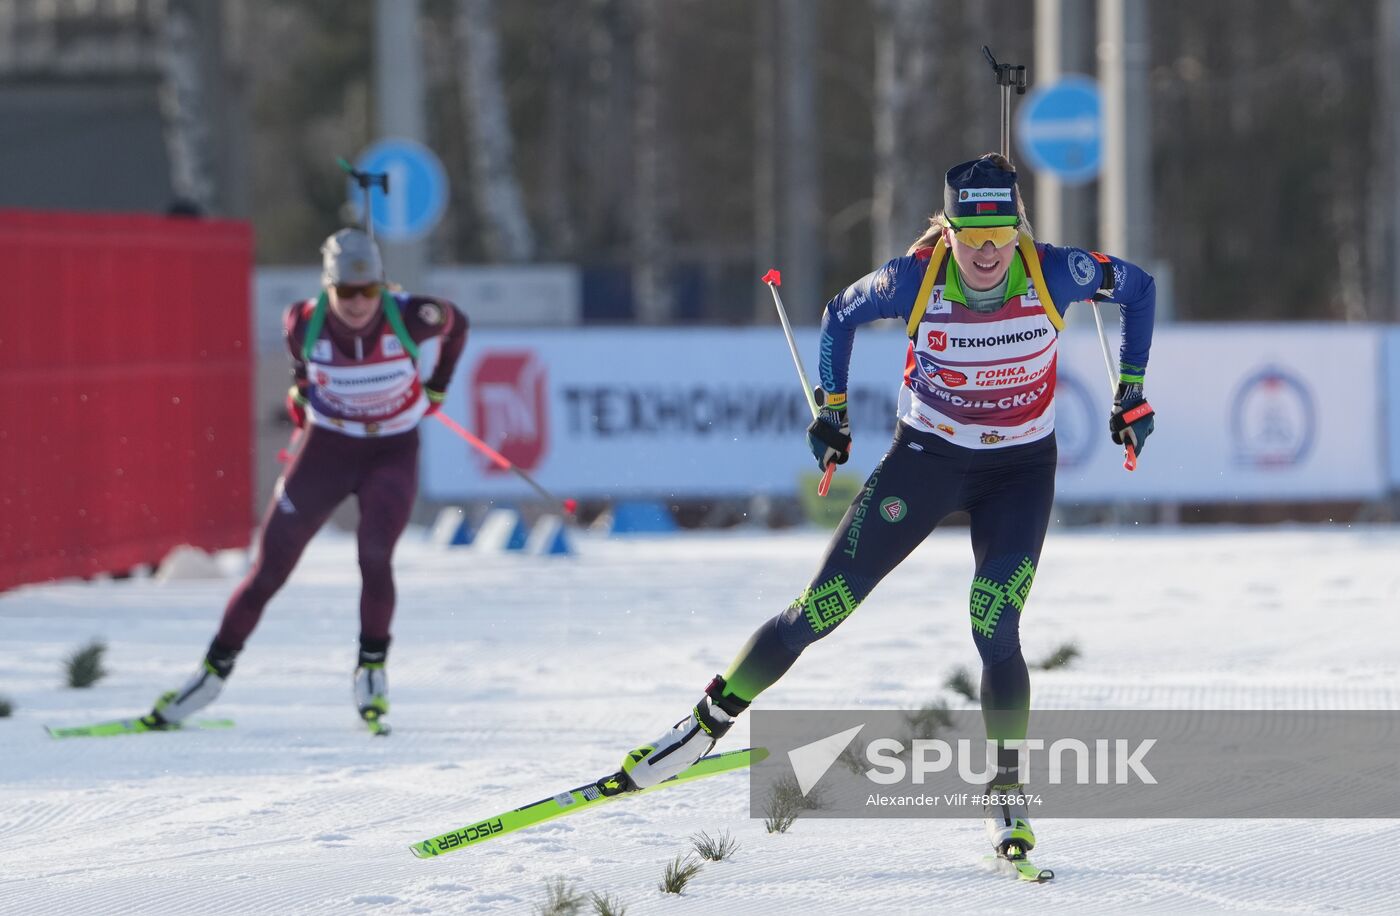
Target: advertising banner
[
  {"x": 1250, "y": 412},
  {"x": 1254, "y": 412},
  {"x": 663, "y": 413}
]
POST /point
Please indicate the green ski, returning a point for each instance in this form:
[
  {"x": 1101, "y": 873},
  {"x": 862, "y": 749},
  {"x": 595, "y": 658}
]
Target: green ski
[
  {"x": 1014, "y": 864},
  {"x": 132, "y": 727},
  {"x": 585, "y": 796}
]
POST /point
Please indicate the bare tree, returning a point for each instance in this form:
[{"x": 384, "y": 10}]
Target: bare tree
[
  {"x": 765, "y": 154},
  {"x": 799, "y": 174},
  {"x": 788, "y": 167},
  {"x": 500, "y": 204},
  {"x": 609, "y": 100},
  {"x": 1382, "y": 233},
  {"x": 562, "y": 128},
  {"x": 906, "y": 119},
  {"x": 651, "y": 244},
  {"x": 189, "y": 61},
  {"x": 1249, "y": 135}
]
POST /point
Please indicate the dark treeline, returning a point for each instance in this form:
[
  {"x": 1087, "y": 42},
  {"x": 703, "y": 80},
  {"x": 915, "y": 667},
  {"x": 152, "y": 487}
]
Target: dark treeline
[{"x": 644, "y": 130}]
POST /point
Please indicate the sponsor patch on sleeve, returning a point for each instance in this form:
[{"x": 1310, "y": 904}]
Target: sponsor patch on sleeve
[
  {"x": 430, "y": 313},
  {"x": 1081, "y": 268}
]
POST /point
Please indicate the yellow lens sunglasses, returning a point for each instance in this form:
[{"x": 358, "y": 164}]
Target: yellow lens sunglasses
[{"x": 977, "y": 236}]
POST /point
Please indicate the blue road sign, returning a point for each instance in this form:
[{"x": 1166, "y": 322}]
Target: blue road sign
[
  {"x": 417, "y": 189},
  {"x": 1060, "y": 129}
]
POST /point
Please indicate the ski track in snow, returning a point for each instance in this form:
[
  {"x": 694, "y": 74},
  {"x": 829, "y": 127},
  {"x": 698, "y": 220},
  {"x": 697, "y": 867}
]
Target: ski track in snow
[{"x": 513, "y": 678}]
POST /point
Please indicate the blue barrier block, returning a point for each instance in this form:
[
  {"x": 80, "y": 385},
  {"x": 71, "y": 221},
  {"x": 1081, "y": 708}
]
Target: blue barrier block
[
  {"x": 501, "y": 530},
  {"x": 519, "y": 537},
  {"x": 451, "y": 528},
  {"x": 642, "y": 518},
  {"x": 548, "y": 538}
]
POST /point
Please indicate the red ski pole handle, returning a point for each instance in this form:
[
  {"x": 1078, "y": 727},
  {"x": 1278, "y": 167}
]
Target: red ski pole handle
[
  {"x": 1127, "y": 419},
  {"x": 825, "y": 486}
]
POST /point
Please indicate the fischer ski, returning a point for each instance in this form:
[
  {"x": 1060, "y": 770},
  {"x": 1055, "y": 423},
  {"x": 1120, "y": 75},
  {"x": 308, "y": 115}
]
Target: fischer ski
[
  {"x": 133, "y": 727},
  {"x": 585, "y": 796},
  {"x": 1013, "y": 863}
]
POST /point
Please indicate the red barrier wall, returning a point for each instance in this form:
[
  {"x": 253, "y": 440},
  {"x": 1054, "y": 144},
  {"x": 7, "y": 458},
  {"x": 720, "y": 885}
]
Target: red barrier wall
[{"x": 125, "y": 390}]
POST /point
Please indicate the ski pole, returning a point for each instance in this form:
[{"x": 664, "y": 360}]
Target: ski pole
[
  {"x": 501, "y": 461},
  {"x": 1129, "y": 453},
  {"x": 774, "y": 279},
  {"x": 289, "y": 451}
]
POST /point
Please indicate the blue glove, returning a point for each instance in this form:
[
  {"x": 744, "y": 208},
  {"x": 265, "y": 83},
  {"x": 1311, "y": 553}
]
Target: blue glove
[
  {"x": 1132, "y": 419},
  {"x": 829, "y": 436}
]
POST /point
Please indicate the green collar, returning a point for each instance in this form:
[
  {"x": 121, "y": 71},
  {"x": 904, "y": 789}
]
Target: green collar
[
  {"x": 1016, "y": 284},
  {"x": 391, "y": 311}
]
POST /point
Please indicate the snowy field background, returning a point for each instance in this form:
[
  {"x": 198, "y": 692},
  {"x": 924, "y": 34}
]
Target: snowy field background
[{"x": 513, "y": 678}]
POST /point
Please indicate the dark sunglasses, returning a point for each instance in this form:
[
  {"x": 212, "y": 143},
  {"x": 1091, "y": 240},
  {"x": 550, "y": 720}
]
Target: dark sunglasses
[{"x": 350, "y": 291}]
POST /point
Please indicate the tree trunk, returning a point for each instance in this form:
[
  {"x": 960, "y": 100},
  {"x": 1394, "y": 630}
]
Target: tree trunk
[
  {"x": 799, "y": 168},
  {"x": 563, "y": 127},
  {"x": 187, "y": 101},
  {"x": 651, "y": 246},
  {"x": 500, "y": 205},
  {"x": 787, "y": 179},
  {"x": 906, "y": 119},
  {"x": 765, "y": 155},
  {"x": 1383, "y": 233},
  {"x": 608, "y": 167}
]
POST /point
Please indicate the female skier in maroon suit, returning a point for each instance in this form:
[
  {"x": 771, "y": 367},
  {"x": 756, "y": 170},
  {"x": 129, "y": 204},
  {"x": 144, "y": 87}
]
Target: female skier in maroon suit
[{"x": 368, "y": 365}]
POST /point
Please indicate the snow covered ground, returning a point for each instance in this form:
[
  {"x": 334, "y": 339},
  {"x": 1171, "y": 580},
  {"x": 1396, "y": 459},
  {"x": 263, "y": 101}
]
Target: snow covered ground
[{"x": 514, "y": 678}]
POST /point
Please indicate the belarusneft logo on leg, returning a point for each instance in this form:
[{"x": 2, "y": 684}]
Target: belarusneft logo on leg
[{"x": 937, "y": 762}]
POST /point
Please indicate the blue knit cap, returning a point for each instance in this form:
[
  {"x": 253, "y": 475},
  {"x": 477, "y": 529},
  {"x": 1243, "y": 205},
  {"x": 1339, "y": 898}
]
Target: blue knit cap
[{"x": 980, "y": 188}]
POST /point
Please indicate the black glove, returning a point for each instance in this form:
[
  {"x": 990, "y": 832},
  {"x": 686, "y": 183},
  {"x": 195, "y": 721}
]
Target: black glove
[
  {"x": 1132, "y": 419},
  {"x": 829, "y": 436}
]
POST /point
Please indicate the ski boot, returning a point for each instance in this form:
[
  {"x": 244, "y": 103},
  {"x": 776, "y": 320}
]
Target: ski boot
[
  {"x": 1008, "y": 824},
  {"x": 203, "y": 688},
  {"x": 686, "y": 742},
  {"x": 372, "y": 685},
  {"x": 1009, "y": 831}
]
